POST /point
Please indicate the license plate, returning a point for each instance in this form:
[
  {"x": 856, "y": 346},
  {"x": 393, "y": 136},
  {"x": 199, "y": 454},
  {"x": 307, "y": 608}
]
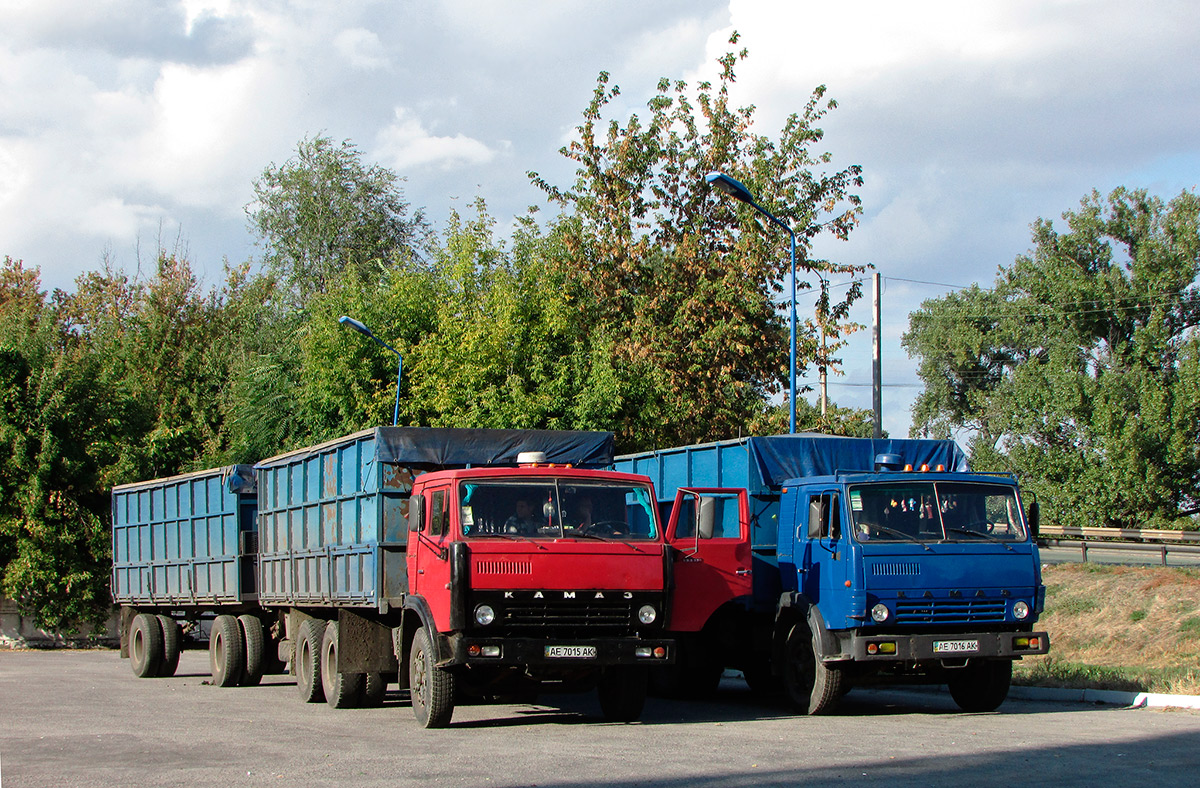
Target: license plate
[
  {"x": 955, "y": 646},
  {"x": 571, "y": 652}
]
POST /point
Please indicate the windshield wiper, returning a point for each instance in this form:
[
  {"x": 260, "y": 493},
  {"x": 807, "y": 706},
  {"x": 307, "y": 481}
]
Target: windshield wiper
[
  {"x": 981, "y": 535},
  {"x": 901, "y": 534}
]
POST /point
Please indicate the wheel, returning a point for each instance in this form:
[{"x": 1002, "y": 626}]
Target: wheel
[
  {"x": 342, "y": 690},
  {"x": 432, "y": 688},
  {"x": 308, "y": 660},
  {"x": 171, "y": 644},
  {"x": 145, "y": 645},
  {"x": 812, "y": 686},
  {"x": 981, "y": 686},
  {"x": 374, "y": 688},
  {"x": 622, "y": 694},
  {"x": 256, "y": 656},
  {"x": 226, "y": 651}
]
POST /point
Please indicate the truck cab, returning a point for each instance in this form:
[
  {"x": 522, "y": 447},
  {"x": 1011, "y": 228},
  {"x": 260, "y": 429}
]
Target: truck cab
[
  {"x": 529, "y": 579},
  {"x": 927, "y": 575}
]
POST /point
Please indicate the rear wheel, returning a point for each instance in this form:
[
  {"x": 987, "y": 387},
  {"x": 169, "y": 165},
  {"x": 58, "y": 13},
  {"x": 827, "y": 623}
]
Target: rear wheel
[
  {"x": 308, "y": 660},
  {"x": 256, "y": 658},
  {"x": 171, "y": 644},
  {"x": 812, "y": 686},
  {"x": 145, "y": 645},
  {"x": 226, "y": 651},
  {"x": 431, "y": 687},
  {"x": 342, "y": 690},
  {"x": 981, "y": 686},
  {"x": 622, "y": 694}
]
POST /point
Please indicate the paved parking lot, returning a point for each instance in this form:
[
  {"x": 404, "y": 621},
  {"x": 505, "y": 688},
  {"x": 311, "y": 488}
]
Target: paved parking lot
[{"x": 80, "y": 718}]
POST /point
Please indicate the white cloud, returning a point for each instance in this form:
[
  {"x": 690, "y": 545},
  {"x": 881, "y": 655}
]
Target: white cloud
[
  {"x": 405, "y": 144},
  {"x": 361, "y": 48}
]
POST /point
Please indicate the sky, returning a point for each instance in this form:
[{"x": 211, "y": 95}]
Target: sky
[{"x": 126, "y": 125}]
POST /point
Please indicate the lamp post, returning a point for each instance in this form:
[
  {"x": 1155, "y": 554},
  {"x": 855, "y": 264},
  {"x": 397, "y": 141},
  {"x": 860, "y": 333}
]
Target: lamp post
[
  {"x": 346, "y": 320},
  {"x": 735, "y": 189}
]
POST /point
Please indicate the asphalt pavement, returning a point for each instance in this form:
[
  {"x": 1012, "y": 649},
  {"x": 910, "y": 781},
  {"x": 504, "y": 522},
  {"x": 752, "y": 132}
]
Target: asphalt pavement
[{"x": 80, "y": 718}]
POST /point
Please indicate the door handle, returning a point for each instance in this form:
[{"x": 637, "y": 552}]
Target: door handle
[{"x": 742, "y": 572}]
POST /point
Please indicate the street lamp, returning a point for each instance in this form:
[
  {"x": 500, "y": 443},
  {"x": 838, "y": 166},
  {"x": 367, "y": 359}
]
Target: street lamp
[
  {"x": 346, "y": 320},
  {"x": 735, "y": 189}
]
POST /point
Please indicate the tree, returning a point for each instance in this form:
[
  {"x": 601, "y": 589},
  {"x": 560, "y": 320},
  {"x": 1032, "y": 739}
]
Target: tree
[
  {"x": 680, "y": 288},
  {"x": 324, "y": 212},
  {"x": 1078, "y": 369}
]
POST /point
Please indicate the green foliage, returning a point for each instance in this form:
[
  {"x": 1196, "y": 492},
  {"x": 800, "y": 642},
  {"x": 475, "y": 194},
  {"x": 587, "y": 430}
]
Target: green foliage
[
  {"x": 678, "y": 285},
  {"x": 324, "y": 212},
  {"x": 1080, "y": 369}
]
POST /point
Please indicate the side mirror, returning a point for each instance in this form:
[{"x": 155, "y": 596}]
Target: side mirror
[
  {"x": 1035, "y": 519},
  {"x": 416, "y": 513},
  {"x": 706, "y": 518},
  {"x": 816, "y": 516}
]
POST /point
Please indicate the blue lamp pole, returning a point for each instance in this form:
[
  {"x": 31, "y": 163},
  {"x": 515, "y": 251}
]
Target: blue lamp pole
[
  {"x": 734, "y": 188},
  {"x": 346, "y": 320}
]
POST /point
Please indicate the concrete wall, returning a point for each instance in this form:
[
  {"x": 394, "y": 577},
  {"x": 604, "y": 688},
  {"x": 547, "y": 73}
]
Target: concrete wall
[{"x": 17, "y": 631}]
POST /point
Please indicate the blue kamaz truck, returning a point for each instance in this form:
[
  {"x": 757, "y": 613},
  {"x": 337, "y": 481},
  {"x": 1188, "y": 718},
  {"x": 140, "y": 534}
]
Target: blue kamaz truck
[{"x": 869, "y": 561}]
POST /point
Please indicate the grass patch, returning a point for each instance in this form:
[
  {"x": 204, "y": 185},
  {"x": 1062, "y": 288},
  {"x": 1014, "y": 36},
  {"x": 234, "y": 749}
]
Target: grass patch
[{"x": 1119, "y": 627}]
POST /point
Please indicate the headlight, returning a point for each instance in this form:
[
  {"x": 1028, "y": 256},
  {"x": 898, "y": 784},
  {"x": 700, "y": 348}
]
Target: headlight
[
  {"x": 879, "y": 613},
  {"x": 647, "y": 614},
  {"x": 1021, "y": 609},
  {"x": 484, "y": 615}
]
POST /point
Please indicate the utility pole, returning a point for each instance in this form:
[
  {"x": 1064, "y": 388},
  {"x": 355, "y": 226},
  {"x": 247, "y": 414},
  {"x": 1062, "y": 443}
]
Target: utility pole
[{"x": 876, "y": 366}]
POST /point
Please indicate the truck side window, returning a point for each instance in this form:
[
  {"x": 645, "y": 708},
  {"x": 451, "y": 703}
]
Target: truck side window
[{"x": 438, "y": 514}]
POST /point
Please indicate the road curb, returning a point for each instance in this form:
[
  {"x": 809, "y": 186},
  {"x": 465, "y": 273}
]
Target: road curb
[{"x": 1137, "y": 700}]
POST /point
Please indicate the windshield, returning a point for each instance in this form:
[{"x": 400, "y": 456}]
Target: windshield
[
  {"x": 935, "y": 512},
  {"x": 556, "y": 508}
]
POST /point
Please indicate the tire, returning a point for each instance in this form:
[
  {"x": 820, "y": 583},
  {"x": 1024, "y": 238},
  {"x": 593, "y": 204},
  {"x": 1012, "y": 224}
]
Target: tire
[
  {"x": 374, "y": 688},
  {"x": 308, "y": 660},
  {"x": 172, "y": 641},
  {"x": 145, "y": 645},
  {"x": 342, "y": 690},
  {"x": 226, "y": 651},
  {"x": 622, "y": 694},
  {"x": 256, "y": 657},
  {"x": 981, "y": 686},
  {"x": 811, "y": 686},
  {"x": 432, "y": 688}
]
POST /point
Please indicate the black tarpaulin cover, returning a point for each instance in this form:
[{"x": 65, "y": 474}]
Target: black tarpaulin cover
[
  {"x": 783, "y": 457},
  {"x": 452, "y": 447}
]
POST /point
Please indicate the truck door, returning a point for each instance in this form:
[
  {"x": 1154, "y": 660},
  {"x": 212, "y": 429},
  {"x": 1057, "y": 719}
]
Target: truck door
[
  {"x": 429, "y": 554},
  {"x": 709, "y": 530},
  {"x": 826, "y": 562}
]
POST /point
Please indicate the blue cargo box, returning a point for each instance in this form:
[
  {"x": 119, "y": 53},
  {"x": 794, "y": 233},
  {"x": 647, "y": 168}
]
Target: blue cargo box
[
  {"x": 762, "y": 465},
  {"x": 185, "y": 540},
  {"x": 333, "y": 517}
]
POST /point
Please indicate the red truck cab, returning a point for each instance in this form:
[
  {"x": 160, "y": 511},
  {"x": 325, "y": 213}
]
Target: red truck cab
[{"x": 522, "y": 580}]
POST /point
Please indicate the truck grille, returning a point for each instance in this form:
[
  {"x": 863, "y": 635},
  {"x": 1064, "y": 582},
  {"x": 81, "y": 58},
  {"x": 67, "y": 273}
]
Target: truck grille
[
  {"x": 949, "y": 611},
  {"x": 592, "y": 614}
]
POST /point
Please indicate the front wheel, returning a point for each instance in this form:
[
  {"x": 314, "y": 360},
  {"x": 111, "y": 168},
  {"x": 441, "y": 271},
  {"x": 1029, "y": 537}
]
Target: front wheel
[
  {"x": 812, "y": 686},
  {"x": 981, "y": 686},
  {"x": 431, "y": 687}
]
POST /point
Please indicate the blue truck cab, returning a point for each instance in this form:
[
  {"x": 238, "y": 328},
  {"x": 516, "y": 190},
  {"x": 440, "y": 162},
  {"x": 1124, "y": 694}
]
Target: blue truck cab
[{"x": 873, "y": 561}]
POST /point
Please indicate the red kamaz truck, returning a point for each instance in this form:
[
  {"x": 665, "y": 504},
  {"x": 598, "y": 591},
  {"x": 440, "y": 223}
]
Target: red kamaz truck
[{"x": 453, "y": 562}]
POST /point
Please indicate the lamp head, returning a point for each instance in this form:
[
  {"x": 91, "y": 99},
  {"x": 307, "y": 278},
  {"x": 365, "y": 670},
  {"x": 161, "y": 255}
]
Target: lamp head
[
  {"x": 346, "y": 320},
  {"x": 731, "y": 186}
]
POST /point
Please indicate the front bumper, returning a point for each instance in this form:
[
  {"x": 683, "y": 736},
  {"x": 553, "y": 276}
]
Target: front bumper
[
  {"x": 924, "y": 647},
  {"x": 533, "y": 651}
]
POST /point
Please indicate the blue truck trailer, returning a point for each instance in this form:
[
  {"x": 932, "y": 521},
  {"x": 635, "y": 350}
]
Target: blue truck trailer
[
  {"x": 387, "y": 555},
  {"x": 871, "y": 561}
]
